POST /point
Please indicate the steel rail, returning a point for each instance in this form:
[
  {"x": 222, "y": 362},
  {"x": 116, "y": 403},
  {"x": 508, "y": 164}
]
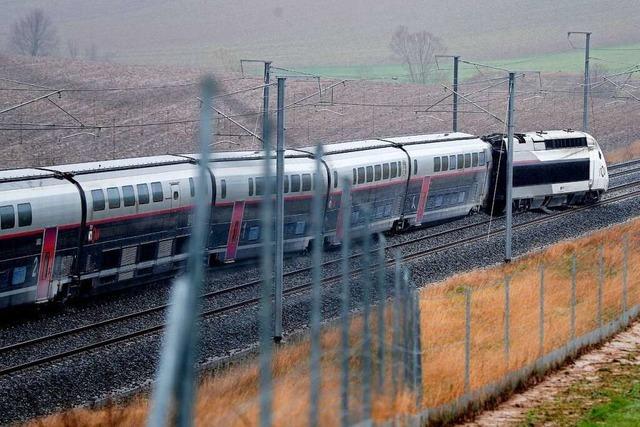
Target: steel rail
[{"x": 295, "y": 289}]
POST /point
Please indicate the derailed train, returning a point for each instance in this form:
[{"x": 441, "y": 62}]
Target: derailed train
[{"x": 94, "y": 226}]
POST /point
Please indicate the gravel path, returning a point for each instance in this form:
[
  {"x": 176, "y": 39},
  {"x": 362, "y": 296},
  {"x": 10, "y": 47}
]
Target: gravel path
[{"x": 102, "y": 373}]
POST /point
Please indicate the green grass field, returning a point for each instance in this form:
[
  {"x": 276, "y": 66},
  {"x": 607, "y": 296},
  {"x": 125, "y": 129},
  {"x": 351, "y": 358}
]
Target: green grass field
[{"x": 612, "y": 59}]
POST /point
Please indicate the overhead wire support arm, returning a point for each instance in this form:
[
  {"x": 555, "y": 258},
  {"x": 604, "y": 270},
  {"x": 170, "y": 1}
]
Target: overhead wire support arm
[
  {"x": 66, "y": 112},
  {"x": 235, "y": 122},
  {"x": 31, "y": 101}
]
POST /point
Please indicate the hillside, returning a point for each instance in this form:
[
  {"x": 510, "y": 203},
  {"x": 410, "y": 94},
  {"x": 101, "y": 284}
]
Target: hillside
[
  {"x": 332, "y": 32},
  {"x": 131, "y": 110}
]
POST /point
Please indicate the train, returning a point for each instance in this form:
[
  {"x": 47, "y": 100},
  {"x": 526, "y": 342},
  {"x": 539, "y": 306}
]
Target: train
[{"x": 97, "y": 226}]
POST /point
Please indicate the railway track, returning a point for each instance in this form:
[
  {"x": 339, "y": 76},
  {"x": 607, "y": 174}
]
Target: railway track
[
  {"x": 329, "y": 280},
  {"x": 624, "y": 164}
]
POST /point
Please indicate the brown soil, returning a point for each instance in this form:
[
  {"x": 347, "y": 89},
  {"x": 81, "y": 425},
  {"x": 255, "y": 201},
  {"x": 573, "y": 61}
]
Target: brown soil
[{"x": 350, "y": 110}]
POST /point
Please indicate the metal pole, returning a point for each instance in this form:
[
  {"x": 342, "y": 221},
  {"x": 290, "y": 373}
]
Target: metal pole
[
  {"x": 265, "y": 99},
  {"x": 345, "y": 205},
  {"x": 467, "y": 340},
  {"x": 585, "y": 102},
  {"x": 573, "y": 296},
  {"x": 541, "y": 313},
  {"x": 279, "y": 273},
  {"x": 266, "y": 266},
  {"x": 509, "y": 201},
  {"x": 174, "y": 387},
  {"x": 600, "y": 283},
  {"x": 366, "y": 296},
  {"x": 316, "y": 296},
  {"x": 625, "y": 277},
  {"x": 382, "y": 294},
  {"x": 396, "y": 332},
  {"x": 456, "y": 60},
  {"x": 507, "y": 319}
]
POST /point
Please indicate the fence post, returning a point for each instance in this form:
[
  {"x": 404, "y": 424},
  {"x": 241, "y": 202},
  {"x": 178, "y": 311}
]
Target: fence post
[
  {"x": 406, "y": 326},
  {"x": 467, "y": 340},
  {"x": 600, "y": 283},
  {"x": 382, "y": 294},
  {"x": 345, "y": 205},
  {"x": 507, "y": 319},
  {"x": 366, "y": 296},
  {"x": 417, "y": 348},
  {"x": 316, "y": 296},
  {"x": 174, "y": 387},
  {"x": 395, "y": 359},
  {"x": 625, "y": 278},
  {"x": 573, "y": 296},
  {"x": 541, "y": 313}
]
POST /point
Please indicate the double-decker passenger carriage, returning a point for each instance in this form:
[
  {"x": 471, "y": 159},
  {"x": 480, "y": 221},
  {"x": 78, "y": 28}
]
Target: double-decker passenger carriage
[
  {"x": 236, "y": 229},
  {"x": 550, "y": 168},
  {"x": 40, "y": 214},
  {"x": 449, "y": 176},
  {"x": 100, "y": 225}
]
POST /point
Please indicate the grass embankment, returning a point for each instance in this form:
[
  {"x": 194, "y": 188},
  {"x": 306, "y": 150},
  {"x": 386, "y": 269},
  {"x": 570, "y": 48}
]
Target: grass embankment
[{"x": 230, "y": 397}]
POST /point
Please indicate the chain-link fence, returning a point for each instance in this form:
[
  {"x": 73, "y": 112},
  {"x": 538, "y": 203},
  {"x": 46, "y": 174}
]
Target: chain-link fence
[{"x": 418, "y": 354}]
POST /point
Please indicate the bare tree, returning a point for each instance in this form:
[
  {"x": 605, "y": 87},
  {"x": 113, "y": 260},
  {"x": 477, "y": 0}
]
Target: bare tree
[
  {"x": 91, "y": 52},
  {"x": 34, "y": 34},
  {"x": 416, "y": 51},
  {"x": 73, "y": 48}
]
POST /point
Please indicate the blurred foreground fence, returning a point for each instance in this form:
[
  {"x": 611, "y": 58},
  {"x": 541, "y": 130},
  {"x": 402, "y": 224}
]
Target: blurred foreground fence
[{"x": 406, "y": 356}]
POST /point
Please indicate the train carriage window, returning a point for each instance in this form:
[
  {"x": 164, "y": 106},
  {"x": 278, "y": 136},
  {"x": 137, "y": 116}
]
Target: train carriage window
[
  {"x": 402, "y": 167},
  {"x": 7, "y": 217},
  {"x": 259, "y": 186},
  {"x": 355, "y": 176},
  {"x": 285, "y": 183},
  {"x": 385, "y": 171},
  {"x": 445, "y": 163},
  {"x": 143, "y": 194},
  {"x": 369, "y": 173},
  {"x": 113, "y": 194},
  {"x": 128, "y": 196},
  {"x": 474, "y": 157},
  {"x": 192, "y": 187},
  {"x": 360, "y": 175},
  {"x": 481, "y": 159},
  {"x": 452, "y": 163},
  {"x": 24, "y": 214},
  {"x": 377, "y": 172},
  {"x": 156, "y": 191},
  {"x": 335, "y": 179},
  {"x": 436, "y": 164},
  {"x": 306, "y": 182},
  {"x": 415, "y": 166},
  {"x": 98, "y": 200},
  {"x": 251, "y": 186},
  {"x": 467, "y": 160},
  {"x": 394, "y": 170},
  {"x": 316, "y": 183},
  {"x": 223, "y": 188},
  {"x": 460, "y": 161},
  {"x": 295, "y": 183}
]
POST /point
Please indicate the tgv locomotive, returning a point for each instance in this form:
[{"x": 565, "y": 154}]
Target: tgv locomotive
[{"x": 94, "y": 226}]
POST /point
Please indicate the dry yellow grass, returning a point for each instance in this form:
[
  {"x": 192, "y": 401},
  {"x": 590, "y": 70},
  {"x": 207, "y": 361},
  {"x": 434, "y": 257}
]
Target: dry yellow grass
[
  {"x": 627, "y": 152},
  {"x": 229, "y": 397}
]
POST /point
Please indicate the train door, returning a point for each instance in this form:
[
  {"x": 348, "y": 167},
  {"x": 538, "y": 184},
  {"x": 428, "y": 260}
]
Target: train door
[
  {"x": 234, "y": 231},
  {"x": 47, "y": 258}
]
